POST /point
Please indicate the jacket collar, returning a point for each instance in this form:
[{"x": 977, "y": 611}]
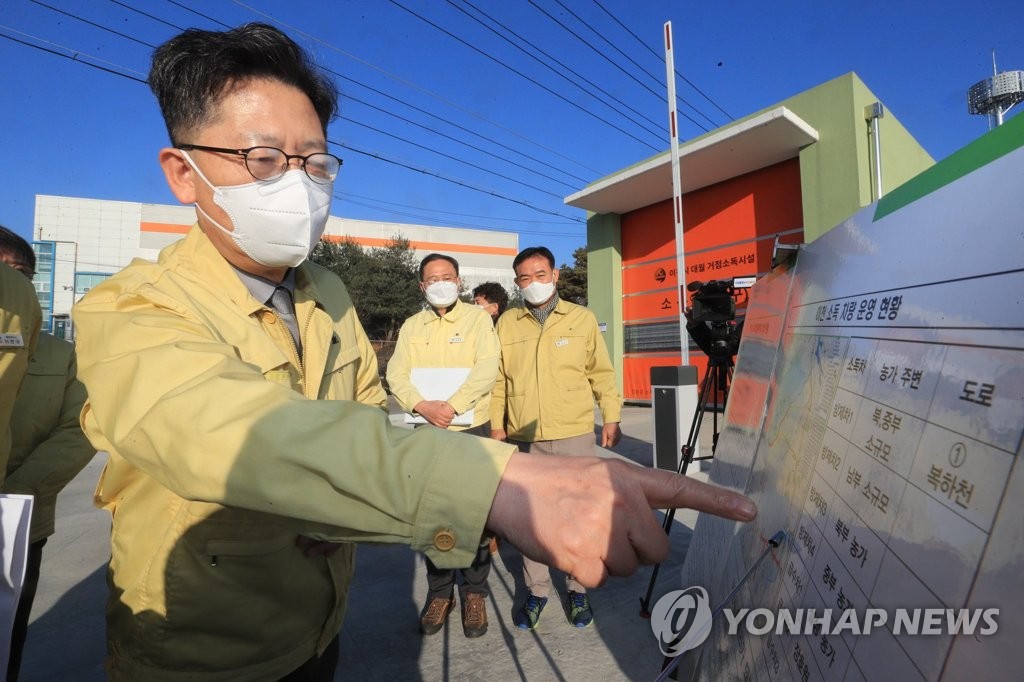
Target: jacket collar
[
  {"x": 561, "y": 308},
  {"x": 200, "y": 256},
  {"x": 457, "y": 312}
]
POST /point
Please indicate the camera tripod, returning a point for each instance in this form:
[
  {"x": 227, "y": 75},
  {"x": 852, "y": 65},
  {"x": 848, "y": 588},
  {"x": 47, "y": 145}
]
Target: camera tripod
[{"x": 717, "y": 377}]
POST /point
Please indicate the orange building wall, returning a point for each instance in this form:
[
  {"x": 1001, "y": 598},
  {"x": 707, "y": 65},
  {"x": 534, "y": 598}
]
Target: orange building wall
[{"x": 729, "y": 230}]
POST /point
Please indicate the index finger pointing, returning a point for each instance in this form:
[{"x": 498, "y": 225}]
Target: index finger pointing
[{"x": 665, "y": 490}]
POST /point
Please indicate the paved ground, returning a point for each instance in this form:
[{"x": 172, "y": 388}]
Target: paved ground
[{"x": 380, "y": 640}]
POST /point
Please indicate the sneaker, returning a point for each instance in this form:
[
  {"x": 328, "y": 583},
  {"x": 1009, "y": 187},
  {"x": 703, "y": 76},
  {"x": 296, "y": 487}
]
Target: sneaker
[
  {"x": 578, "y": 606},
  {"x": 435, "y": 613},
  {"x": 474, "y": 614},
  {"x": 528, "y": 616}
]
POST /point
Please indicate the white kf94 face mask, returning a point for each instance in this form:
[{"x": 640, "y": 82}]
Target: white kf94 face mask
[
  {"x": 442, "y": 294},
  {"x": 538, "y": 292},
  {"x": 275, "y": 223}
]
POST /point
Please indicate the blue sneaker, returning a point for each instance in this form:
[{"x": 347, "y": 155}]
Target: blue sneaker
[
  {"x": 578, "y": 607},
  {"x": 529, "y": 615}
]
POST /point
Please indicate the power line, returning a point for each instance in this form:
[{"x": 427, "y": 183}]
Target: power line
[
  {"x": 662, "y": 59},
  {"x": 377, "y": 156},
  {"x": 86, "y": 21},
  {"x": 197, "y": 13},
  {"x": 454, "y": 223},
  {"x": 352, "y": 98},
  {"x": 531, "y": 55},
  {"x": 456, "y": 181},
  {"x": 373, "y": 107},
  {"x": 455, "y": 213},
  {"x": 615, "y": 47},
  {"x": 406, "y": 82},
  {"x": 453, "y": 158},
  {"x": 523, "y": 75},
  {"x": 453, "y": 124},
  {"x": 73, "y": 57},
  {"x": 146, "y": 14},
  {"x": 605, "y": 57}
]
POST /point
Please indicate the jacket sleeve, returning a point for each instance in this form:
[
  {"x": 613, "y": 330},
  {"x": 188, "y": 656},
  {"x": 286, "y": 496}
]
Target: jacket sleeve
[
  {"x": 400, "y": 370},
  {"x": 56, "y": 460},
  {"x": 481, "y": 377},
  {"x": 369, "y": 390},
  {"x": 498, "y": 394},
  {"x": 171, "y": 398},
  {"x": 19, "y": 315},
  {"x": 601, "y": 375}
]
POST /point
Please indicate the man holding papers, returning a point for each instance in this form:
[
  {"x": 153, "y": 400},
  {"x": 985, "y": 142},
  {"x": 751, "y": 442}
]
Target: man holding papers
[{"x": 442, "y": 373}]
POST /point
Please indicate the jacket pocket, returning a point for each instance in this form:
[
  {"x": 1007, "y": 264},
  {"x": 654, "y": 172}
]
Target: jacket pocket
[
  {"x": 339, "y": 380},
  {"x": 517, "y": 354},
  {"x": 236, "y": 547},
  {"x": 568, "y": 355},
  {"x": 243, "y": 589}
]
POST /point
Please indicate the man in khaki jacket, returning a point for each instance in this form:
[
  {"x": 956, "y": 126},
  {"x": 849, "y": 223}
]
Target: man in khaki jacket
[
  {"x": 554, "y": 366},
  {"x": 239, "y": 400},
  {"x": 449, "y": 335},
  {"x": 48, "y": 448},
  {"x": 20, "y": 319}
]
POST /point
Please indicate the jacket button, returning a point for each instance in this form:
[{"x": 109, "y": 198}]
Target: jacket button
[{"x": 444, "y": 540}]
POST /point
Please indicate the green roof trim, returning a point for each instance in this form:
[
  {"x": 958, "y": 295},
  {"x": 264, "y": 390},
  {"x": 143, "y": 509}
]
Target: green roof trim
[{"x": 985, "y": 149}]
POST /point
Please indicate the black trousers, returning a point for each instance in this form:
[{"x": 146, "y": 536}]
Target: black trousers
[
  {"x": 317, "y": 668},
  {"x": 441, "y": 581},
  {"x": 28, "y": 595}
]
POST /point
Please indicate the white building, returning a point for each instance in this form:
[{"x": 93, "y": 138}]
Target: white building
[{"x": 80, "y": 242}]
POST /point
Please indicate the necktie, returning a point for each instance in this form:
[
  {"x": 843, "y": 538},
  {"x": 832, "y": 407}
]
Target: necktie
[{"x": 281, "y": 302}]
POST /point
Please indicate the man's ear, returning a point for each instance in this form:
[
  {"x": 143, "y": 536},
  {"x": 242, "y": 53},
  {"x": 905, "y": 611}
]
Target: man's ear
[
  {"x": 554, "y": 275},
  {"x": 179, "y": 174}
]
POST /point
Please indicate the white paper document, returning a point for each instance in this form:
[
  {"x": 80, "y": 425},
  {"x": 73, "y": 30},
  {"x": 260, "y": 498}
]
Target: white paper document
[
  {"x": 439, "y": 383},
  {"x": 15, "y": 521}
]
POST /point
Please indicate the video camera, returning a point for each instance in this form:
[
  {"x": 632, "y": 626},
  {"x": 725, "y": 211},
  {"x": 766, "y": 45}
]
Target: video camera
[
  {"x": 713, "y": 313},
  {"x": 713, "y": 301}
]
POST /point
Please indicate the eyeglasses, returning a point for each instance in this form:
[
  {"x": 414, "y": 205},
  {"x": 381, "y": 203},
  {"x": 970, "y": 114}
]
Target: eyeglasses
[{"x": 270, "y": 163}]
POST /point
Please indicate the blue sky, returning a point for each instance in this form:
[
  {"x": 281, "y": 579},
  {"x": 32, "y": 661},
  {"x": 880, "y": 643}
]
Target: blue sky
[{"x": 437, "y": 102}]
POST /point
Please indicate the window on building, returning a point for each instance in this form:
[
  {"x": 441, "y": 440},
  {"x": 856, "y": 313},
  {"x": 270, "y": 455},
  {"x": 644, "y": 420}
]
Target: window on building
[
  {"x": 46, "y": 255},
  {"x": 85, "y": 281}
]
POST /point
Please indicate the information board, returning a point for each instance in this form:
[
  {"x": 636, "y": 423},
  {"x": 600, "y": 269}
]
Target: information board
[{"x": 876, "y": 416}]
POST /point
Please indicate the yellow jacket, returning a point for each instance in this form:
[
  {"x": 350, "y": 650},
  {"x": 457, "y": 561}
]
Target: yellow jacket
[
  {"x": 465, "y": 338},
  {"x": 20, "y": 318},
  {"x": 48, "y": 448},
  {"x": 224, "y": 448},
  {"x": 550, "y": 376}
]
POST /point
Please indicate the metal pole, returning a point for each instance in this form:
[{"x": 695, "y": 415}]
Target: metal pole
[
  {"x": 873, "y": 112},
  {"x": 878, "y": 158},
  {"x": 677, "y": 192}
]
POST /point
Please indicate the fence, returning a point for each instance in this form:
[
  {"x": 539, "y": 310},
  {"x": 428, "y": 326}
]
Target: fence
[{"x": 384, "y": 350}]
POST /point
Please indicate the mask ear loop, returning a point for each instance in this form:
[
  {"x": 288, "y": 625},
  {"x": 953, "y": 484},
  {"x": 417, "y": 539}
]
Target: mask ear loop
[{"x": 213, "y": 187}]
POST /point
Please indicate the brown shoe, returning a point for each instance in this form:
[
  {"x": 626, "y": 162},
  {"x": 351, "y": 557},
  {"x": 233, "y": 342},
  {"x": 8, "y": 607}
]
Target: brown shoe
[
  {"x": 474, "y": 614},
  {"x": 435, "y": 613},
  {"x": 494, "y": 545}
]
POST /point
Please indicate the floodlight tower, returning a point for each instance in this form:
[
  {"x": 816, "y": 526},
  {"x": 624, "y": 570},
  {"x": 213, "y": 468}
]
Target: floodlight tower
[{"x": 996, "y": 95}]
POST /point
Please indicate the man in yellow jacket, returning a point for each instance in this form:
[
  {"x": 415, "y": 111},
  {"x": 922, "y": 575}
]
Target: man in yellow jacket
[
  {"x": 455, "y": 337},
  {"x": 239, "y": 400},
  {"x": 48, "y": 448},
  {"x": 20, "y": 320},
  {"x": 554, "y": 366}
]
